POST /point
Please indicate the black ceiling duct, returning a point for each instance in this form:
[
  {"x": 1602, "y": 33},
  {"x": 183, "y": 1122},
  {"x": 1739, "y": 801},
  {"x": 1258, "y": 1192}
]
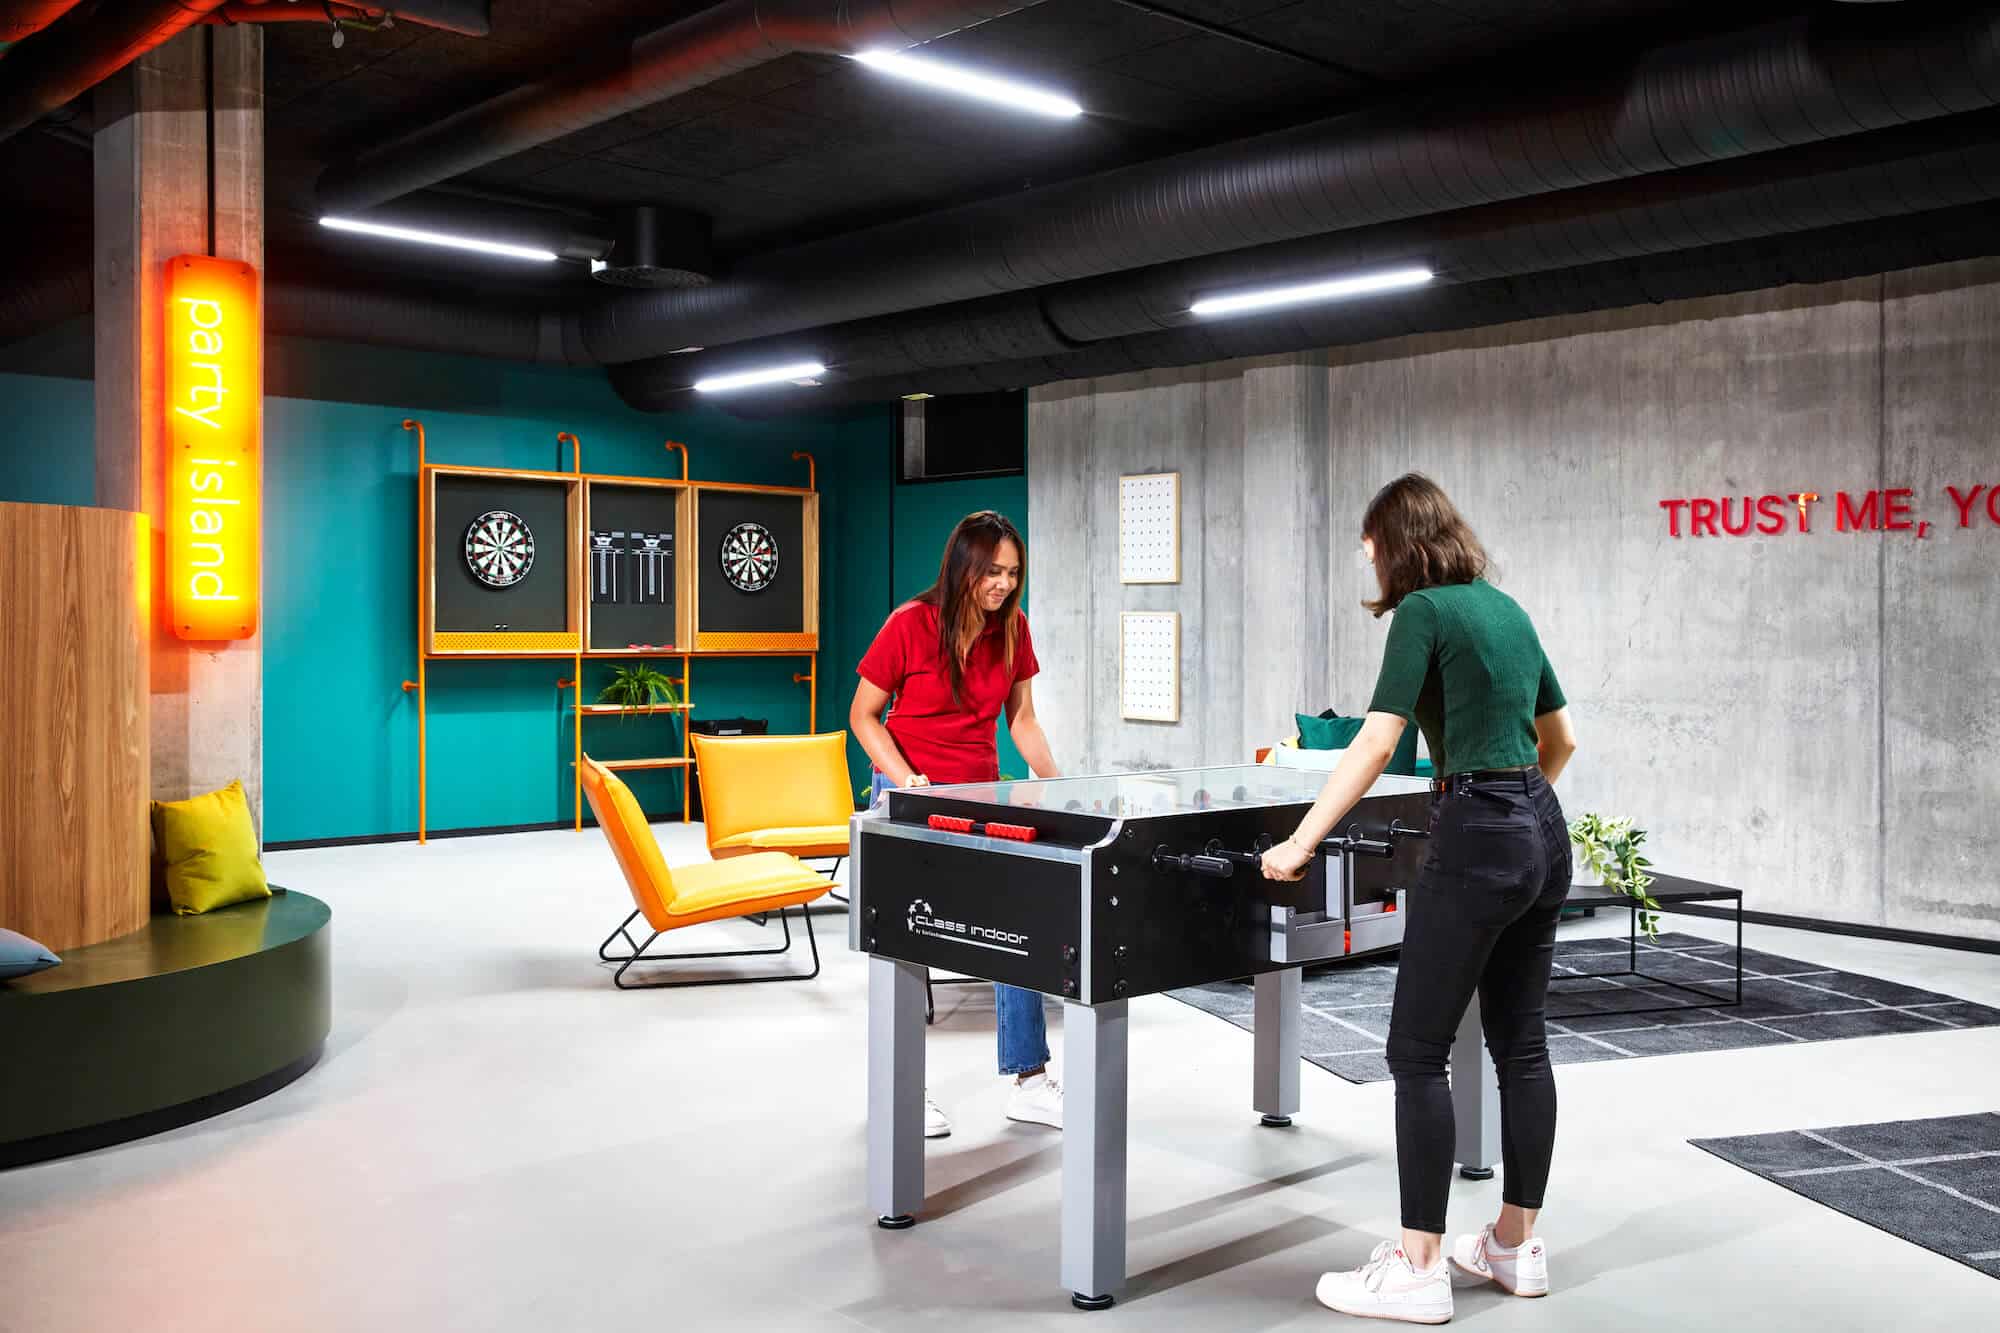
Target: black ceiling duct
[
  {"x": 690, "y": 53},
  {"x": 1838, "y": 73},
  {"x": 657, "y": 248},
  {"x": 1827, "y": 255},
  {"x": 1890, "y": 173}
]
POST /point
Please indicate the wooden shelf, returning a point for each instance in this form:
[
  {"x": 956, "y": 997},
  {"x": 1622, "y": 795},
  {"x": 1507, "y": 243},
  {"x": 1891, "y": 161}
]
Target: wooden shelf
[
  {"x": 597, "y": 710},
  {"x": 619, "y": 765}
]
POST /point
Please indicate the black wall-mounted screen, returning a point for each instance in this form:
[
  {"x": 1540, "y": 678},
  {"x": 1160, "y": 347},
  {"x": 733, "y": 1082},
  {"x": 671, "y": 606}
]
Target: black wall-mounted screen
[
  {"x": 779, "y": 608},
  {"x": 963, "y": 435},
  {"x": 633, "y": 552},
  {"x": 539, "y": 603}
]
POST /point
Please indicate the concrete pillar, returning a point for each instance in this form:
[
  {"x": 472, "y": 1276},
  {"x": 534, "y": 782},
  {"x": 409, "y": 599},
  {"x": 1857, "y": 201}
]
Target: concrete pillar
[
  {"x": 1288, "y": 544},
  {"x": 179, "y": 160}
]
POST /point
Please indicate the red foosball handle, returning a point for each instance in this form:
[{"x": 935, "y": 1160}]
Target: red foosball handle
[{"x": 954, "y": 824}]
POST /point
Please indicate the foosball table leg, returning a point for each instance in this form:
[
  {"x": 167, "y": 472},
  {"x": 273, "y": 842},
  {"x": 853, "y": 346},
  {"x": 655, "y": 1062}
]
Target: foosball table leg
[
  {"x": 1275, "y": 1033},
  {"x": 1093, "y": 1152},
  {"x": 1475, "y": 1099},
  {"x": 895, "y": 1092}
]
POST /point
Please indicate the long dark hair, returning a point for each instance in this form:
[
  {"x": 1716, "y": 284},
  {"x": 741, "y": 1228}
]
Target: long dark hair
[
  {"x": 1421, "y": 540},
  {"x": 960, "y": 619}
]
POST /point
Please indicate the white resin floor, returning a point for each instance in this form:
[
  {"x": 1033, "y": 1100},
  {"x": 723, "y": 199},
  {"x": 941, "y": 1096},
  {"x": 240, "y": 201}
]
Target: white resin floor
[{"x": 496, "y": 1140}]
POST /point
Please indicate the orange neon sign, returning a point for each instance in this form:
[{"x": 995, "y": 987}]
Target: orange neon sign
[{"x": 214, "y": 411}]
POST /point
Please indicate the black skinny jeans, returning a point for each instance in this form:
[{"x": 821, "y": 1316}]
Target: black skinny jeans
[{"x": 1482, "y": 916}]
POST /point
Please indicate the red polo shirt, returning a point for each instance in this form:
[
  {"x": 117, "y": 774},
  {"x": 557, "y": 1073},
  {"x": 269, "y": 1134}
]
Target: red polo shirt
[{"x": 943, "y": 740}]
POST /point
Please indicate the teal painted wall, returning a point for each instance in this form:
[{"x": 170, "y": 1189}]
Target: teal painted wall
[
  {"x": 926, "y": 512},
  {"x": 340, "y": 739},
  {"x": 340, "y": 733},
  {"x": 51, "y": 453}
]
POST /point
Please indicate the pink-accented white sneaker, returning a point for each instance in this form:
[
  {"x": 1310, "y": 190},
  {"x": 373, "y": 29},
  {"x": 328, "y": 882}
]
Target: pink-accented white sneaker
[
  {"x": 1521, "y": 1271},
  {"x": 1387, "y": 1287},
  {"x": 936, "y": 1124},
  {"x": 1037, "y": 1100}
]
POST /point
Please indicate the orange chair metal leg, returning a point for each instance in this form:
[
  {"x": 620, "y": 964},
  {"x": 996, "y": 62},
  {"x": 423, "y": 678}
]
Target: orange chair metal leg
[{"x": 638, "y": 954}]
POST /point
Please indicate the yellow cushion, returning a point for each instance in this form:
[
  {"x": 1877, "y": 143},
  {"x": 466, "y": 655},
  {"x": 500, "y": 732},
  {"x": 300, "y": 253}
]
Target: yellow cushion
[
  {"x": 707, "y": 885},
  {"x": 815, "y": 835},
  {"x": 209, "y": 849},
  {"x": 750, "y": 783}
]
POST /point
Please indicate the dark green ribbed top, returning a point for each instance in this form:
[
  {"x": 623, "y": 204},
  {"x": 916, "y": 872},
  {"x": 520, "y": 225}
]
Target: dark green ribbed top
[{"x": 1463, "y": 663}]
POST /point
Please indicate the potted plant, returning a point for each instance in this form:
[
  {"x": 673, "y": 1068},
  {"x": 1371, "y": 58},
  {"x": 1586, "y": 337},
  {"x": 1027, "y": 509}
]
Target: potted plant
[
  {"x": 636, "y": 686},
  {"x": 1610, "y": 850}
]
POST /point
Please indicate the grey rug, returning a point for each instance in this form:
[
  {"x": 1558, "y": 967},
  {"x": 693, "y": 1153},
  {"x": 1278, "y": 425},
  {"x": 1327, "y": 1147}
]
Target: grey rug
[
  {"x": 1785, "y": 1001},
  {"x": 1935, "y": 1183}
]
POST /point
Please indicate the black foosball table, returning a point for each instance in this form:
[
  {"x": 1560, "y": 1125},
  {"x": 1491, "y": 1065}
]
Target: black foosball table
[{"x": 1099, "y": 890}]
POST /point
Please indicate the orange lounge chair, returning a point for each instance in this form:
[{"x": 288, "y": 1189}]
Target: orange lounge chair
[
  {"x": 775, "y": 794},
  {"x": 715, "y": 891}
]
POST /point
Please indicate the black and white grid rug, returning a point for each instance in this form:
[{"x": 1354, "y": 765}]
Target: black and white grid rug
[
  {"x": 1785, "y": 1001},
  {"x": 1935, "y": 1183}
]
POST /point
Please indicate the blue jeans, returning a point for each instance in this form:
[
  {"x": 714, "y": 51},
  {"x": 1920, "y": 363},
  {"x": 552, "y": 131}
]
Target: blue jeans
[{"x": 1023, "y": 1027}]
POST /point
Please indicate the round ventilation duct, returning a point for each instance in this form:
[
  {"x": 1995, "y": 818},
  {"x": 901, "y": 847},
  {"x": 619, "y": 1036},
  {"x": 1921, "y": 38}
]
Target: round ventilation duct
[{"x": 656, "y": 248}]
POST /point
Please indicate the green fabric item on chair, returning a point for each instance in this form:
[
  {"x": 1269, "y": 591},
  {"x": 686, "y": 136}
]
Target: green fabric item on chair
[{"x": 1330, "y": 731}]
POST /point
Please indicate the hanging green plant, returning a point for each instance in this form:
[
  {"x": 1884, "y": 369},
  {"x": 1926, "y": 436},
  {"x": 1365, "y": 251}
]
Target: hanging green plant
[
  {"x": 636, "y": 686},
  {"x": 1610, "y": 848}
]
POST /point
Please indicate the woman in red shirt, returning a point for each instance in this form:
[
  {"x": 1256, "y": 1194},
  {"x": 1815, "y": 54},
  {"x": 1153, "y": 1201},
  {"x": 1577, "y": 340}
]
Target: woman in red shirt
[{"x": 951, "y": 659}]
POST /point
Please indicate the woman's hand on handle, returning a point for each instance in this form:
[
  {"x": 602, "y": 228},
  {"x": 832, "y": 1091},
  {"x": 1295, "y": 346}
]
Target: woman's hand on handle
[
  {"x": 1287, "y": 861},
  {"x": 1367, "y": 755}
]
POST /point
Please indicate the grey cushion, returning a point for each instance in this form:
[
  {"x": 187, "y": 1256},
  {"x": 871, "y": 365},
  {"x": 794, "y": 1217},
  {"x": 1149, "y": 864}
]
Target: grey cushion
[{"x": 20, "y": 955}]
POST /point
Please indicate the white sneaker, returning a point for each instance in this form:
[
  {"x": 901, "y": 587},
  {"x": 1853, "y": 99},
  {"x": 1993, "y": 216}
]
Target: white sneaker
[
  {"x": 1037, "y": 1100},
  {"x": 1387, "y": 1287},
  {"x": 1522, "y": 1271},
  {"x": 936, "y": 1126}
]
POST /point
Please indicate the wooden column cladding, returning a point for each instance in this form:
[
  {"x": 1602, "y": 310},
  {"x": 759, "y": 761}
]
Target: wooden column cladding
[{"x": 75, "y": 845}]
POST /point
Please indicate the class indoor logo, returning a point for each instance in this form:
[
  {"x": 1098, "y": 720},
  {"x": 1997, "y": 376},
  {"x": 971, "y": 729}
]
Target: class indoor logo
[
  {"x": 923, "y": 920},
  {"x": 214, "y": 419}
]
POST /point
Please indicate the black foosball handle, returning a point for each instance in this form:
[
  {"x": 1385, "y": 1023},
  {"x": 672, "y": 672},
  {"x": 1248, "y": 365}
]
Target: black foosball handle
[
  {"x": 1352, "y": 841},
  {"x": 1252, "y": 859},
  {"x": 1199, "y": 863}
]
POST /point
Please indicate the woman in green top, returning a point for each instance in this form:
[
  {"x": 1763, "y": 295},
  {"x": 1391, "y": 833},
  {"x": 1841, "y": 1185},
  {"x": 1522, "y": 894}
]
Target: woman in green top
[{"x": 1463, "y": 663}]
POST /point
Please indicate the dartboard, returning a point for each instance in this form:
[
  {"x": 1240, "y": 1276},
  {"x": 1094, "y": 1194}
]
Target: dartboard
[
  {"x": 749, "y": 557},
  {"x": 499, "y": 549}
]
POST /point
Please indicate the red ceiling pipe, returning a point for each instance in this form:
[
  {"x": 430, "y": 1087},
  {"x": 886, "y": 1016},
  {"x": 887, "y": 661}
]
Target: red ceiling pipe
[
  {"x": 468, "y": 18},
  {"x": 24, "y": 18},
  {"x": 263, "y": 11},
  {"x": 81, "y": 50}
]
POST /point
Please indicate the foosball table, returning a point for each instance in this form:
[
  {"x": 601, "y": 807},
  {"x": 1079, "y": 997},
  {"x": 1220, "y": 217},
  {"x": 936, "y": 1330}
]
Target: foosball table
[{"x": 1099, "y": 890}]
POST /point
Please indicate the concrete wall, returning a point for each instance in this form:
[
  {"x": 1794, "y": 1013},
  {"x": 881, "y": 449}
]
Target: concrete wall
[{"x": 1809, "y": 716}]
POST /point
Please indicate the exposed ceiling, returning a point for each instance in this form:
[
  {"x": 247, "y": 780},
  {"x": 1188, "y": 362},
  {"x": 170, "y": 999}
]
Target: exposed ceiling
[{"x": 811, "y": 146}]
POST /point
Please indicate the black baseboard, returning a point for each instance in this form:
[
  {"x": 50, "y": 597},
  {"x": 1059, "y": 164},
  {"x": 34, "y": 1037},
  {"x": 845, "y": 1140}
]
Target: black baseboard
[
  {"x": 1820, "y": 925},
  {"x": 22, "y": 1152},
  {"x": 367, "y": 839}
]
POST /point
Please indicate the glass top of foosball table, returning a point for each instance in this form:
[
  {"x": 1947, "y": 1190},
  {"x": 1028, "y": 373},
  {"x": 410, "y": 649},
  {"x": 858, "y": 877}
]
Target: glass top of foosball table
[{"x": 1138, "y": 795}]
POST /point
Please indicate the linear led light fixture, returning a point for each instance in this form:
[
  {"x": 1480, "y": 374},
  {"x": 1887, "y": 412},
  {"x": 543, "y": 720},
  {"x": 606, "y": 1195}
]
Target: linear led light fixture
[
  {"x": 439, "y": 238},
  {"x": 967, "y": 83},
  {"x": 1332, "y": 289},
  {"x": 798, "y": 370}
]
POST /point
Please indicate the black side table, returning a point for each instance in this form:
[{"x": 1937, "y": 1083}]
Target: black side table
[{"x": 1589, "y": 898}]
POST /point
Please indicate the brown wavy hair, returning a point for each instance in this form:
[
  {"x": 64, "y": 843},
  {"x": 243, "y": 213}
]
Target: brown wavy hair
[
  {"x": 1421, "y": 540},
  {"x": 960, "y": 621}
]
